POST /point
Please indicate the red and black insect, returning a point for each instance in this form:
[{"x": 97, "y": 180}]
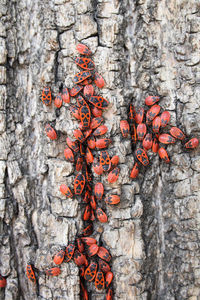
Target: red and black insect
[
  {"x": 134, "y": 171},
  {"x": 99, "y": 102},
  {"x": 79, "y": 164},
  {"x": 93, "y": 202},
  {"x": 114, "y": 160},
  {"x": 79, "y": 77},
  {"x": 151, "y": 100},
  {"x": 147, "y": 141},
  {"x": 104, "y": 266},
  {"x": 46, "y": 96},
  {"x": 91, "y": 142},
  {"x": 133, "y": 134},
  {"x": 59, "y": 257},
  {"x": 85, "y": 63},
  {"x": 131, "y": 114},
  {"x": 105, "y": 160},
  {"x": 141, "y": 131},
  {"x": 58, "y": 100},
  {"x": 103, "y": 143},
  {"x": 104, "y": 254},
  {"x": 113, "y": 175},
  {"x": 87, "y": 133},
  {"x": 91, "y": 271},
  {"x": 165, "y": 118},
  {"x": 125, "y": 128},
  {"x": 98, "y": 190},
  {"x": 96, "y": 122},
  {"x": 85, "y": 115},
  {"x": 69, "y": 155},
  {"x": 75, "y": 111},
  {"x": 87, "y": 213},
  {"x": 53, "y": 271},
  {"x": 80, "y": 101},
  {"x": 69, "y": 252},
  {"x": 79, "y": 258},
  {"x": 65, "y": 190},
  {"x": 83, "y": 49},
  {"x": 142, "y": 156},
  {"x": 30, "y": 273},
  {"x": 156, "y": 124},
  {"x": 87, "y": 196},
  {"x": 102, "y": 129},
  {"x": 109, "y": 294},
  {"x": 79, "y": 135},
  {"x": 96, "y": 112},
  {"x": 152, "y": 113},
  {"x": 155, "y": 145},
  {"x": 86, "y": 81},
  {"x": 166, "y": 138},
  {"x": 88, "y": 91},
  {"x": 50, "y": 132},
  {"x": 177, "y": 133},
  {"x": 72, "y": 144},
  {"x": 88, "y": 240},
  {"x": 163, "y": 155},
  {"x": 99, "y": 281},
  {"x": 75, "y": 90},
  {"x": 82, "y": 271},
  {"x": 97, "y": 167},
  {"x": 92, "y": 217},
  {"x": 92, "y": 250},
  {"x": 65, "y": 95},
  {"x": 3, "y": 281},
  {"x": 139, "y": 115},
  {"x": 98, "y": 80},
  {"x": 79, "y": 184},
  {"x": 109, "y": 278},
  {"x": 88, "y": 230},
  {"x": 101, "y": 216},
  {"x": 112, "y": 199},
  {"x": 193, "y": 143},
  {"x": 80, "y": 245}
]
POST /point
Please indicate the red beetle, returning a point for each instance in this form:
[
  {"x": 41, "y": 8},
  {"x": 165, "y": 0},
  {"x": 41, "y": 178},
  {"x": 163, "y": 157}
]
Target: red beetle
[
  {"x": 80, "y": 244},
  {"x": 92, "y": 249},
  {"x": 114, "y": 160},
  {"x": 80, "y": 100},
  {"x": 89, "y": 241},
  {"x": 86, "y": 81},
  {"x": 165, "y": 118},
  {"x": 89, "y": 157},
  {"x": 65, "y": 190},
  {"x": 147, "y": 141},
  {"x": 104, "y": 254},
  {"x": 87, "y": 133},
  {"x": 79, "y": 184},
  {"x": 58, "y": 100},
  {"x": 87, "y": 196},
  {"x": 156, "y": 124},
  {"x": 98, "y": 190},
  {"x": 151, "y": 100},
  {"x": 113, "y": 175},
  {"x": 75, "y": 90},
  {"x": 166, "y": 139},
  {"x": 79, "y": 135},
  {"x": 79, "y": 164},
  {"x": 134, "y": 171},
  {"x": 69, "y": 155},
  {"x": 105, "y": 160},
  {"x": 93, "y": 202},
  {"x": 96, "y": 122},
  {"x": 102, "y": 129},
  {"x": 191, "y": 144},
  {"x": 131, "y": 113},
  {"x": 109, "y": 278},
  {"x": 99, "y": 102},
  {"x": 103, "y": 143},
  {"x": 125, "y": 128},
  {"x": 112, "y": 199},
  {"x": 98, "y": 80},
  {"x": 29, "y": 272},
  {"x": 75, "y": 111},
  {"x": 141, "y": 131},
  {"x": 83, "y": 49},
  {"x": 87, "y": 213},
  {"x": 53, "y": 271},
  {"x": 163, "y": 155},
  {"x": 97, "y": 167},
  {"x": 152, "y": 113},
  {"x": 155, "y": 145},
  {"x": 177, "y": 133},
  {"x": 88, "y": 91},
  {"x": 104, "y": 266},
  {"x": 50, "y": 132},
  {"x": 133, "y": 134},
  {"x": 96, "y": 112},
  {"x": 139, "y": 115},
  {"x": 69, "y": 252},
  {"x": 81, "y": 76},
  {"x": 88, "y": 230},
  {"x": 142, "y": 156},
  {"x": 84, "y": 63},
  {"x": 72, "y": 144},
  {"x": 79, "y": 258},
  {"x": 65, "y": 95},
  {"x": 59, "y": 257},
  {"x": 101, "y": 216},
  {"x": 91, "y": 142},
  {"x": 99, "y": 281},
  {"x": 85, "y": 115},
  {"x": 46, "y": 96},
  {"x": 91, "y": 271}
]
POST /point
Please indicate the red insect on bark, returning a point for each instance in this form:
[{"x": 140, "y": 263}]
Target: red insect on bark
[
  {"x": 86, "y": 81},
  {"x": 91, "y": 142},
  {"x": 79, "y": 164},
  {"x": 105, "y": 160},
  {"x": 103, "y": 143},
  {"x": 3, "y": 281},
  {"x": 192, "y": 143},
  {"x": 166, "y": 139},
  {"x": 141, "y": 131},
  {"x": 79, "y": 258},
  {"x": 135, "y": 171},
  {"x": 98, "y": 190},
  {"x": 109, "y": 278},
  {"x": 163, "y": 155},
  {"x": 97, "y": 167},
  {"x": 151, "y": 100},
  {"x": 139, "y": 115},
  {"x": 29, "y": 272},
  {"x": 155, "y": 145},
  {"x": 152, "y": 113},
  {"x": 113, "y": 175},
  {"x": 89, "y": 241},
  {"x": 81, "y": 76},
  {"x": 165, "y": 118},
  {"x": 85, "y": 115},
  {"x": 93, "y": 202},
  {"x": 98, "y": 80},
  {"x": 79, "y": 135},
  {"x": 69, "y": 252},
  {"x": 72, "y": 144},
  {"x": 102, "y": 129},
  {"x": 83, "y": 49},
  {"x": 80, "y": 101},
  {"x": 96, "y": 122},
  {"x": 53, "y": 271},
  {"x": 88, "y": 230},
  {"x": 99, "y": 102},
  {"x": 59, "y": 257},
  {"x": 88, "y": 91},
  {"x": 65, "y": 95},
  {"x": 101, "y": 216},
  {"x": 147, "y": 141},
  {"x": 177, "y": 133},
  {"x": 96, "y": 112},
  {"x": 104, "y": 266},
  {"x": 99, "y": 281},
  {"x": 80, "y": 245},
  {"x": 156, "y": 124},
  {"x": 92, "y": 250},
  {"x": 125, "y": 128},
  {"x": 89, "y": 157},
  {"x": 46, "y": 96},
  {"x": 75, "y": 111},
  {"x": 58, "y": 100},
  {"x": 65, "y": 190},
  {"x": 109, "y": 294},
  {"x": 114, "y": 160},
  {"x": 87, "y": 196},
  {"x": 50, "y": 132},
  {"x": 87, "y": 133},
  {"x": 104, "y": 254},
  {"x": 91, "y": 271},
  {"x": 87, "y": 213},
  {"x": 79, "y": 184},
  {"x": 69, "y": 155},
  {"x": 85, "y": 63},
  {"x": 75, "y": 90},
  {"x": 142, "y": 156},
  {"x": 131, "y": 114},
  {"x": 112, "y": 199}
]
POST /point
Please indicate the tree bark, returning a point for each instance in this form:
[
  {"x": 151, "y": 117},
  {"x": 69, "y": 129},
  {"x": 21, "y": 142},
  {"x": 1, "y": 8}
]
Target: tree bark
[{"x": 141, "y": 48}]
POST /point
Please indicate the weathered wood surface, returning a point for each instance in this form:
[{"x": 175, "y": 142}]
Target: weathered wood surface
[{"x": 141, "y": 47}]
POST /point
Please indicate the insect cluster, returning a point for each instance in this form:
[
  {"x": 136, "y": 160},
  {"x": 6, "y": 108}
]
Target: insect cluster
[
  {"x": 146, "y": 128},
  {"x": 92, "y": 259}
]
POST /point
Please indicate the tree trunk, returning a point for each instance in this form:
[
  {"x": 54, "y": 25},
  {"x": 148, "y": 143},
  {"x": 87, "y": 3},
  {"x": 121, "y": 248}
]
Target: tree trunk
[{"x": 140, "y": 48}]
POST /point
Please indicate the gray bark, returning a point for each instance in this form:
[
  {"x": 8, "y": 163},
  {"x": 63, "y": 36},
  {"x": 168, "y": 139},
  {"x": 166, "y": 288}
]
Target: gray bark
[{"x": 140, "y": 47}]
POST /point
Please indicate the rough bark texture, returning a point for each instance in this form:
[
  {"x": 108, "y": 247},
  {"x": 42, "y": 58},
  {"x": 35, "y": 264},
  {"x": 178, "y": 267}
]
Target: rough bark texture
[{"x": 141, "y": 47}]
